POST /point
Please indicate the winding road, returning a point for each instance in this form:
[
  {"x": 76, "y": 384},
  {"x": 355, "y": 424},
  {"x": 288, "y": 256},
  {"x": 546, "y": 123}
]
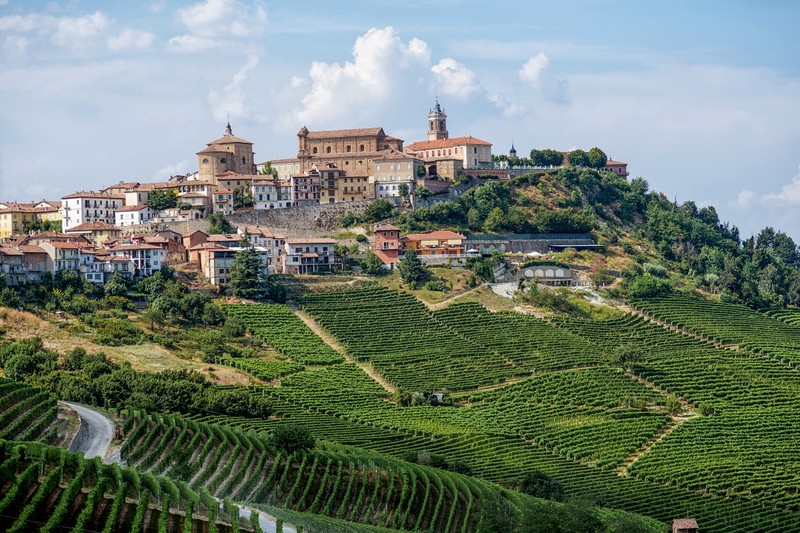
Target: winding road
[{"x": 94, "y": 439}]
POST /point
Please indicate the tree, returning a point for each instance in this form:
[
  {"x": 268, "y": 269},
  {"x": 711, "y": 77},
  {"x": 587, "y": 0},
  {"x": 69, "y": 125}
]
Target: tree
[
  {"x": 412, "y": 269},
  {"x": 541, "y": 485},
  {"x": 421, "y": 171},
  {"x": 116, "y": 286},
  {"x": 597, "y": 158},
  {"x": 267, "y": 170},
  {"x": 219, "y": 224},
  {"x": 378, "y": 210},
  {"x": 153, "y": 316},
  {"x": 403, "y": 190},
  {"x": 578, "y": 158},
  {"x": 160, "y": 199},
  {"x": 291, "y": 438},
  {"x": 242, "y": 197},
  {"x": 495, "y": 222},
  {"x": 373, "y": 264},
  {"x": 422, "y": 192},
  {"x": 247, "y": 277}
]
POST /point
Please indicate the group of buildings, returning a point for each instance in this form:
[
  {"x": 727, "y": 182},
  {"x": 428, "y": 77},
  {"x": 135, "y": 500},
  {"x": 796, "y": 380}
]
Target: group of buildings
[{"x": 103, "y": 232}]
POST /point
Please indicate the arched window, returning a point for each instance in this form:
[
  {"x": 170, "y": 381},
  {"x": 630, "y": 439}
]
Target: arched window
[
  {"x": 314, "y": 150},
  {"x": 328, "y": 150},
  {"x": 347, "y": 148},
  {"x": 222, "y": 160},
  {"x": 361, "y": 148},
  {"x": 205, "y": 161},
  {"x": 243, "y": 161}
]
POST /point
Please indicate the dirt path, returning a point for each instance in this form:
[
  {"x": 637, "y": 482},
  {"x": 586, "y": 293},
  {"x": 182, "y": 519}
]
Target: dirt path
[
  {"x": 676, "y": 421},
  {"x": 331, "y": 341},
  {"x": 447, "y": 301}
]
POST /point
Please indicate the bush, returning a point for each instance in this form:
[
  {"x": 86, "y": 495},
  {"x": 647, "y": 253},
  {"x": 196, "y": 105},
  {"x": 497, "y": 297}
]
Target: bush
[
  {"x": 361, "y": 238},
  {"x": 647, "y": 286},
  {"x": 291, "y": 438},
  {"x": 541, "y": 485},
  {"x": 437, "y": 285}
]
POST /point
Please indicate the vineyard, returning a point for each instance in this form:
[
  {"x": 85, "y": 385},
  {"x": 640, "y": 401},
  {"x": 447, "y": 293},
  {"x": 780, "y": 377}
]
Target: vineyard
[
  {"x": 340, "y": 483},
  {"x": 413, "y": 350},
  {"x": 280, "y": 328},
  {"x": 49, "y": 490},
  {"x": 27, "y": 414}
]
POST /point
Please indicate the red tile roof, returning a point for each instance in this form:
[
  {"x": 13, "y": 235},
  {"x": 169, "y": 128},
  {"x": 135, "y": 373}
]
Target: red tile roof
[
  {"x": 128, "y": 208},
  {"x": 92, "y": 226},
  {"x": 93, "y": 194},
  {"x": 386, "y": 227},
  {"x": 438, "y": 235},
  {"x": 446, "y": 143},
  {"x": 298, "y": 240},
  {"x": 355, "y": 132},
  {"x": 684, "y": 523}
]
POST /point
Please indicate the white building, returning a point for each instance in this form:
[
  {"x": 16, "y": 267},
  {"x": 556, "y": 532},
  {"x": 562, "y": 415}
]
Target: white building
[
  {"x": 304, "y": 256},
  {"x": 391, "y": 171},
  {"x": 271, "y": 194},
  {"x": 147, "y": 258},
  {"x": 272, "y": 242},
  {"x": 132, "y": 215},
  {"x": 89, "y": 206}
]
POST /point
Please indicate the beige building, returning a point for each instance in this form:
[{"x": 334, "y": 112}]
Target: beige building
[
  {"x": 96, "y": 232},
  {"x": 392, "y": 170},
  {"x": 305, "y": 187},
  {"x": 226, "y": 153}
]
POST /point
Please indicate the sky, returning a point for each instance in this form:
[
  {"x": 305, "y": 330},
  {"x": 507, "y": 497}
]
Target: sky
[{"x": 701, "y": 99}]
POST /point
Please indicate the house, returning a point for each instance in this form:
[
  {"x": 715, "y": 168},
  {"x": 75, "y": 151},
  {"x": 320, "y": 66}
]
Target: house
[
  {"x": 15, "y": 218},
  {"x": 305, "y": 256},
  {"x": 34, "y": 262},
  {"x": 89, "y": 206},
  {"x": 215, "y": 261},
  {"x": 53, "y": 236},
  {"x": 305, "y": 187},
  {"x": 264, "y": 238},
  {"x": 270, "y": 193},
  {"x": 222, "y": 201},
  {"x": 617, "y": 167},
  {"x": 95, "y": 232},
  {"x": 63, "y": 255},
  {"x": 434, "y": 243},
  {"x": 387, "y": 244},
  {"x": 133, "y": 215},
  {"x": 392, "y": 170},
  {"x": 190, "y": 240},
  {"x": 147, "y": 258},
  {"x": 684, "y": 525},
  {"x": 12, "y": 265},
  {"x": 98, "y": 268}
]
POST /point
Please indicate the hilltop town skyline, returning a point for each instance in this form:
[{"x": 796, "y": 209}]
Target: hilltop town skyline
[{"x": 96, "y": 94}]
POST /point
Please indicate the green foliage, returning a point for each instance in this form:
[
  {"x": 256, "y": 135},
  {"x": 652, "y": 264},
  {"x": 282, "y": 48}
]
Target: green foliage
[
  {"x": 422, "y": 192},
  {"x": 547, "y": 158},
  {"x": 247, "y": 275},
  {"x": 348, "y": 219},
  {"x": 541, "y": 485},
  {"x": 403, "y": 189},
  {"x": 438, "y": 285},
  {"x": 219, "y": 224},
  {"x": 160, "y": 199},
  {"x": 372, "y": 264},
  {"x": 242, "y": 197},
  {"x": 646, "y": 286},
  {"x": 578, "y": 158},
  {"x": 116, "y": 286},
  {"x": 291, "y": 438},
  {"x": 597, "y": 158},
  {"x": 378, "y": 210},
  {"x": 361, "y": 238},
  {"x": 412, "y": 269}
]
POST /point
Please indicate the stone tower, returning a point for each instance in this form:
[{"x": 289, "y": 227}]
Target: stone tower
[
  {"x": 437, "y": 123},
  {"x": 226, "y": 153}
]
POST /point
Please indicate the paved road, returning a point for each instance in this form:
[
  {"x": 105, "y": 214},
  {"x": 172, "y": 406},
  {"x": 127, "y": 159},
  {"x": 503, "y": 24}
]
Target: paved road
[{"x": 99, "y": 430}]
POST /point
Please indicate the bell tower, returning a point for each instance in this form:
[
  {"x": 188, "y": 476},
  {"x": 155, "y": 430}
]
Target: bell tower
[{"x": 437, "y": 123}]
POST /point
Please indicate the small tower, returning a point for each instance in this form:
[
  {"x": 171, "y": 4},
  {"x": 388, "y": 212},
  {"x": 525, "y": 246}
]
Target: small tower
[
  {"x": 437, "y": 123},
  {"x": 513, "y": 151}
]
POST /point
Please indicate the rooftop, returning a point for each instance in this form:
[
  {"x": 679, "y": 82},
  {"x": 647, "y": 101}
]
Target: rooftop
[{"x": 446, "y": 143}]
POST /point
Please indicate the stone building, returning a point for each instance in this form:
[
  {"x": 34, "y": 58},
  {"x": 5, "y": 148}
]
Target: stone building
[{"x": 226, "y": 153}]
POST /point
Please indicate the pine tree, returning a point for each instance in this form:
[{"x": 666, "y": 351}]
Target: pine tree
[{"x": 247, "y": 277}]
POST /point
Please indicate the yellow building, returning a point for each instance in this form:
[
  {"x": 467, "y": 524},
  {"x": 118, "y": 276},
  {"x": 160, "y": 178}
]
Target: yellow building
[{"x": 16, "y": 218}]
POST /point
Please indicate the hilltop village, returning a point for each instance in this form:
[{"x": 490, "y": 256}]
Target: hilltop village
[{"x": 134, "y": 228}]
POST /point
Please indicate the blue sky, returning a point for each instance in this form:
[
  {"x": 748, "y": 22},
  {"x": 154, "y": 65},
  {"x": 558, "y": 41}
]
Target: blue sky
[{"x": 699, "y": 98}]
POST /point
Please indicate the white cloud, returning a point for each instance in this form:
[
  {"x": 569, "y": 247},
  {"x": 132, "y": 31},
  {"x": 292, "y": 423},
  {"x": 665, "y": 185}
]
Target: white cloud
[
  {"x": 16, "y": 44},
  {"x": 79, "y": 32},
  {"x": 190, "y": 43},
  {"x": 383, "y": 68},
  {"x": 745, "y": 198},
  {"x": 531, "y": 72},
  {"x": 454, "y": 79},
  {"x": 24, "y": 23},
  {"x": 231, "y": 100},
  {"x": 229, "y": 18},
  {"x": 790, "y": 193},
  {"x": 130, "y": 38}
]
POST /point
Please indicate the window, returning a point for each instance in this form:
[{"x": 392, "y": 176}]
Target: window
[
  {"x": 314, "y": 150},
  {"x": 474, "y": 149},
  {"x": 243, "y": 161},
  {"x": 328, "y": 150},
  {"x": 347, "y": 148},
  {"x": 361, "y": 148},
  {"x": 205, "y": 160},
  {"x": 377, "y": 168},
  {"x": 222, "y": 160}
]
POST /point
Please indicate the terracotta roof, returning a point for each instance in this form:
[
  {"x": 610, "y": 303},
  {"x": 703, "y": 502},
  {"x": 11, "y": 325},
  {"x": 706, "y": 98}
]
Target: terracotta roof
[
  {"x": 394, "y": 154},
  {"x": 211, "y": 149},
  {"x": 298, "y": 240},
  {"x": 131, "y": 246},
  {"x": 127, "y": 208},
  {"x": 231, "y": 175},
  {"x": 69, "y": 245},
  {"x": 93, "y": 226},
  {"x": 223, "y": 191},
  {"x": 119, "y": 258},
  {"x": 224, "y": 238},
  {"x": 192, "y": 195},
  {"x": 93, "y": 194},
  {"x": 309, "y": 255},
  {"x": 193, "y": 232},
  {"x": 439, "y": 235},
  {"x": 227, "y": 138},
  {"x": 7, "y": 250},
  {"x": 355, "y": 132},
  {"x": 30, "y": 249},
  {"x": 612, "y": 162},
  {"x": 386, "y": 227},
  {"x": 684, "y": 523},
  {"x": 19, "y": 208},
  {"x": 269, "y": 181},
  {"x": 446, "y": 143},
  {"x": 281, "y": 161},
  {"x": 208, "y": 246},
  {"x": 255, "y": 230}
]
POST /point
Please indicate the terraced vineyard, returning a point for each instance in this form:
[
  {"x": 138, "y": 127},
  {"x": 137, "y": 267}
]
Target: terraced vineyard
[
  {"x": 51, "y": 490},
  {"x": 790, "y": 316},
  {"x": 728, "y": 324},
  {"x": 279, "y": 327},
  {"x": 349, "y": 485},
  {"x": 397, "y": 334},
  {"x": 527, "y": 341},
  {"x": 26, "y": 413},
  {"x": 745, "y": 445}
]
